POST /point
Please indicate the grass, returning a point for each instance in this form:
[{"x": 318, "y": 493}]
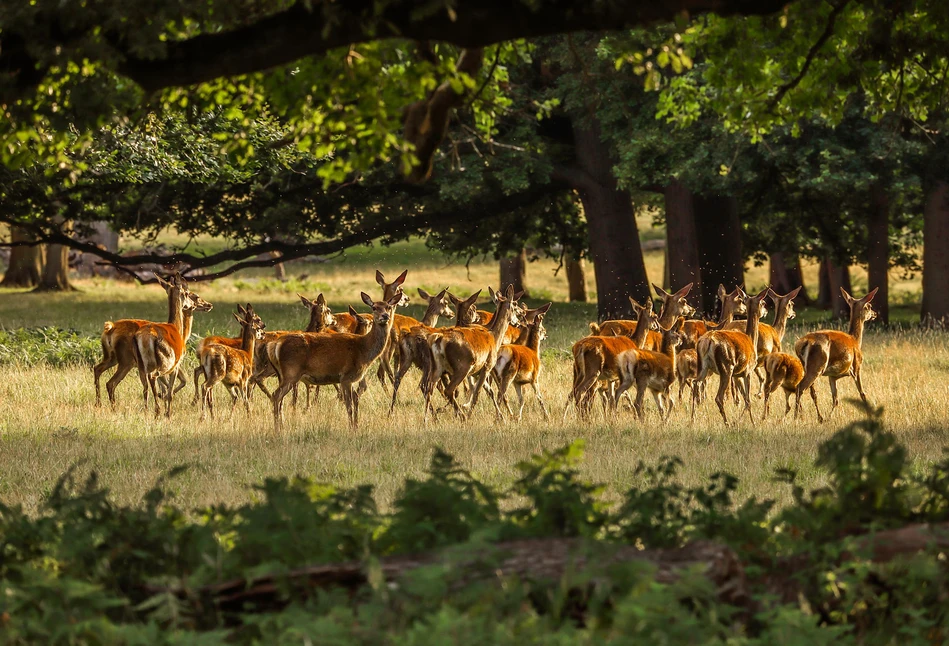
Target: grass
[{"x": 48, "y": 422}]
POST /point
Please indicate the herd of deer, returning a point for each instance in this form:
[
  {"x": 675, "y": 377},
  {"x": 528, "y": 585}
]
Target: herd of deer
[
  {"x": 489, "y": 351},
  {"x": 654, "y": 351}
]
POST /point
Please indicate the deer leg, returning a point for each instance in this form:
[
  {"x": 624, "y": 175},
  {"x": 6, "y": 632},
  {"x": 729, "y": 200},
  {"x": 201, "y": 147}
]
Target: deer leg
[
  {"x": 540, "y": 400},
  {"x": 98, "y": 369},
  {"x": 180, "y": 376},
  {"x": 285, "y": 385},
  {"x": 404, "y": 366},
  {"x": 856, "y": 378},
  {"x": 758, "y": 371},
  {"x": 723, "y": 385},
  {"x": 197, "y": 373},
  {"x": 519, "y": 388},
  {"x": 450, "y": 390},
  {"x": 113, "y": 383},
  {"x": 787, "y": 402},
  {"x": 745, "y": 385},
  {"x": 478, "y": 386},
  {"x": 640, "y": 395}
]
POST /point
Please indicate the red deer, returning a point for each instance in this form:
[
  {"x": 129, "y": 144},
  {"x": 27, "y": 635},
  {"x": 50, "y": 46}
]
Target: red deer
[
  {"x": 731, "y": 355},
  {"x": 785, "y": 371},
  {"x": 520, "y": 364},
  {"x": 673, "y": 306},
  {"x": 834, "y": 354},
  {"x": 327, "y": 358},
  {"x": 655, "y": 371},
  {"x": 233, "y": 367}
]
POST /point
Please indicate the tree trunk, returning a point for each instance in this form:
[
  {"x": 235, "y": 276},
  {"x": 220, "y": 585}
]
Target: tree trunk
[
  {"x": 26, "y": 263},
  {"x": 936, "y": 254},
  {"x": 55, "y": 276},
  {"x": 878, "y": 251},
  {"x": 576, "y": 279},
  {"x": 837, "y": 276},
  {"x": 785, "y": 275},
  {"x": 718, "y": 232},
  {"x": 682, "y": 247},
  {"x": 514, "y": 272},
  {"x": 280, "y": 272},
  {"x": 618, "y": 265}
]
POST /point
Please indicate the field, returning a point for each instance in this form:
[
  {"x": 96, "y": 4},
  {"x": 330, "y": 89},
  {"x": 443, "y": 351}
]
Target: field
[{"x": 48, "y": 422}]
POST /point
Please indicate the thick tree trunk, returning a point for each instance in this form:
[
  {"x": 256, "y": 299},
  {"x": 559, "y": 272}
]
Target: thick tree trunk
[
  {"x": 718, "y": 232},
  {"x": 514, "y": 272},
  {"x": 878, "y": 251},
  {"x": 26, "y": 263},
  {"x": 837, "y": 276},
  {"x": 936, "y": 254},
  {"x": 618, "y": 265},
  {"x": 576, "y": 279},
  {"x": 784, "y": 275},
  {"x": 682, "y": 247},
  {"x": 55, "y": 276}
]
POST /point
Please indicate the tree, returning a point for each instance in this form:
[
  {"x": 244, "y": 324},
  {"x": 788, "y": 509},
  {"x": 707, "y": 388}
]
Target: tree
[
  {"x": 26, "y": 263},
  {"x": 513, "y": 271}
]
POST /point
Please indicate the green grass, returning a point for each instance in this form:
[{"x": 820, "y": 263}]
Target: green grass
[{"x": 48, "y": 422}]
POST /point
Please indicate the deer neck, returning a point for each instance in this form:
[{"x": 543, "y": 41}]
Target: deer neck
[
  {"x": 781, "y": 318},
  {"x": 375, "y": 340},
  {"x": 642, "y": 329},
  {"x": 669, "y": 349},
  {"x": 727, "y": 315},
  {"x": 248, "y": 339},
  {"x": 431, "y": 314},
  {"x": 187, "y": 318},
  {"x": 180, "y": 319},
  {"x": 856, "y": 327},
  {"x": 315, "y": 324},
  {"x": 533, "y": 338},
  {"x": 667, "y": 315},
  {"x": 751, "y": 326},
  {"x": 499, "y": 324}
]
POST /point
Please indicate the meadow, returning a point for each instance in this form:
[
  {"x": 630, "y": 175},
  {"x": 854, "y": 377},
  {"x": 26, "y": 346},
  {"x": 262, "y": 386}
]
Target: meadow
[{"x": 48, "y": 422}]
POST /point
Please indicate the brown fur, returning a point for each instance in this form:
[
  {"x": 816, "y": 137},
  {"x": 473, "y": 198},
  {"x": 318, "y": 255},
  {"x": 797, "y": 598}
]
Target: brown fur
[
  {"x": 673, "y": 306},
  {"x": 834, "y": 354},
  {"x": 231, "y": 366},
  {"x": 655, "y": 371},
  {"x": 785, "y": 371},
  {"x": 520, "y": 364},
  {"x": 330, "y": 358}
]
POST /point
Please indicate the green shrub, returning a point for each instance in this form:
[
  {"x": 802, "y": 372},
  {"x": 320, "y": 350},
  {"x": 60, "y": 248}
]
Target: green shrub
[{"x": 51, "y": 346}]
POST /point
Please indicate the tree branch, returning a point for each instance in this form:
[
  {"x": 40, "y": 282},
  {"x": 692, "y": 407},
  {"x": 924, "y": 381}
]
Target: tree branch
[
  {"x": 473, "y": 211},
  {"x": 811, "y": 54}
]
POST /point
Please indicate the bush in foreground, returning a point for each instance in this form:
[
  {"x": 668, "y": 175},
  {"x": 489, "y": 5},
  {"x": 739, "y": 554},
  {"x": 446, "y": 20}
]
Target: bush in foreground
[{"x": 546, "y": 560}]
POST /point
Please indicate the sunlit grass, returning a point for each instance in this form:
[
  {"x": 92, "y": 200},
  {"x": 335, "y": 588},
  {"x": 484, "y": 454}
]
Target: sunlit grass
[{"x": 48, "y": 422}]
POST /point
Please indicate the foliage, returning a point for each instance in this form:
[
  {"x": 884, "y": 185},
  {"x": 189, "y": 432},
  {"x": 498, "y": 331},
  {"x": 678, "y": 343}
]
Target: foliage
[
  {"x": 74, "y": 572},
  {"x": 51, "y": 346}
]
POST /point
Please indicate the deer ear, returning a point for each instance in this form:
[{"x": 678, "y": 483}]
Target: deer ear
[
  {"x": 518, "y": 296},
  {"x": 424, "y": 294},
  {"x": 660, "y": 291},
  {"x": 353, "y": 312},
  {"x": 454, "y": 299},
  {"x": 509, "y": 293},
  {"x": 366, "y": 299},
  {"x": 401, "y": 278},
  {"x": 543, "y": 309},
  {"x": 320, "y": 299},
  {"x": 392, "y": 302},
  {"x": 164, "y": 283},
  {"x": 239, "y": 319},
  {"x": 441, "y": 295},
  {"x": 306, "y": 301},
  {"x": 763, "y": 293},
  {"x": 474, "y": 297},
  {"x": 491, "y": 292},
  {"x": 682, "y": 293},
  {"x": 240, "y": 308},
  {"x": 721, "y": 291},
  {"x": 380, "y": 278},
  {"x": 869, "y": 297},
  {"x": 773, "y": 295},
  {"x": 795, "y": 292},
  {"x": 634, "y": 303},
  {"x": 847, "y": 297}
]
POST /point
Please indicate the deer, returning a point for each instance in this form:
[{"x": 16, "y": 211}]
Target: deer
[
  {"x": 233, "y": 367},
  {"x": 326, "y": 358},
  {"x": 834, "y": 354},
  {"x": 732, "y": 355},
  {"x": 321, "y": 320},
  {"x": 468, "y": 351},
  {"x": 655, "y": 371},
  {"x": 117, "y": 341},
  {"x": 483, "y": 317},
  {"x": 673, "y": 306},
  {"x": 770, "y": 337},
  {"x": 785, "y": 371},
  {"x": 595, "y": 362},
  {"x": 160, "y": 347},
  {"x": 520, "y": 364},
  {"x": 363, "y": 325},
  {"x": 413, "y": 344},
  {"x": 687, "y": 361}
]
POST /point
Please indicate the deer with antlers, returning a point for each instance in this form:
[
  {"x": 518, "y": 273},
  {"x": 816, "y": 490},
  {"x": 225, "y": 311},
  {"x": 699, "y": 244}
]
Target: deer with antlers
[
  {"x": 731, "y": 355},
  {"x": 159, "y": 347},
  {"x": 655, "y": 371},
  {"x": 233, "y": 367},
  {"x": 464, "y": 352},
  {"x": 326, "y": 358},
  {"x": 520, "y": 364},
  {"x": 595, "y": 366},
  {"x": 835, "y": 354}
]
